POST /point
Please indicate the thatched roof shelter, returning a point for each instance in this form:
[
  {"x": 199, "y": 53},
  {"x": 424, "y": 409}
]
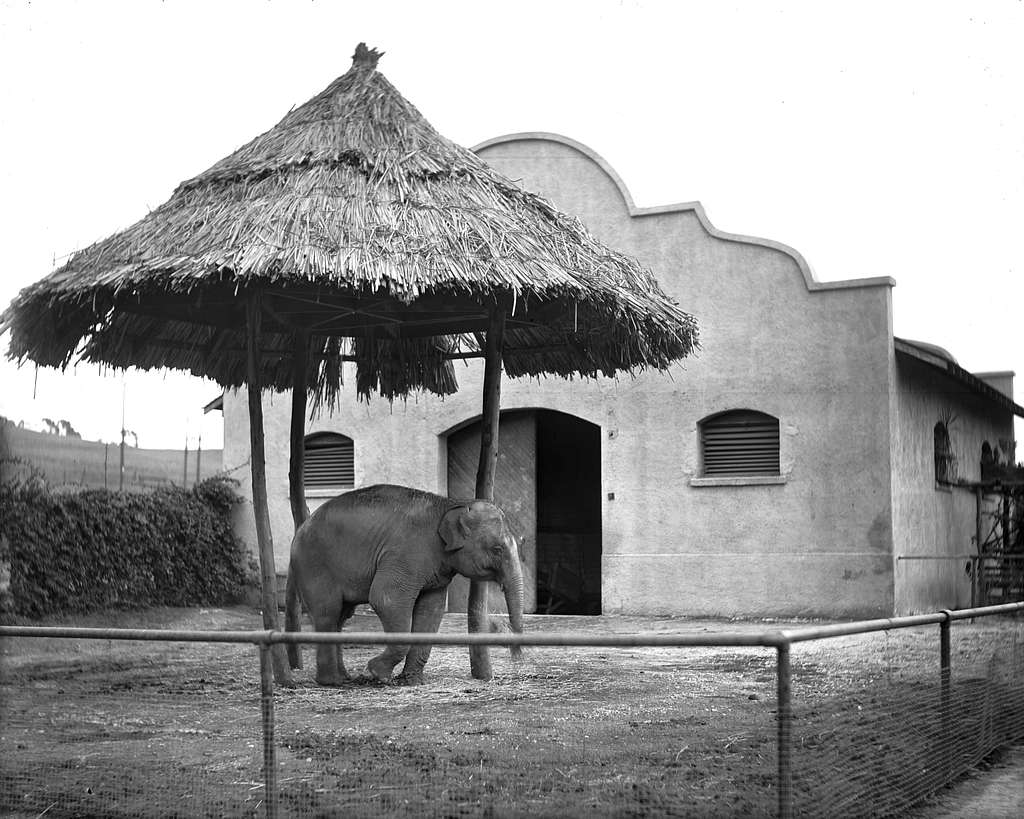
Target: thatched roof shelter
[
  {"x": 357, "y": 220},
  {"x": 351, "y": 230}
]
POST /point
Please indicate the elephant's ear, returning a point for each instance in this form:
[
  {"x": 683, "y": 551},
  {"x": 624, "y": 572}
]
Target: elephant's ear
[{"x": 453, "y": 529}]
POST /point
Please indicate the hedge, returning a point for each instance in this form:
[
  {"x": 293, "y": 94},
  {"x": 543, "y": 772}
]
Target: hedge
[{"x": 76, "y": 552}]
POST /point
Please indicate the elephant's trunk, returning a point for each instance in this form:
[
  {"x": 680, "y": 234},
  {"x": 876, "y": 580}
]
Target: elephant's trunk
[{"x": 512, "y": 583}]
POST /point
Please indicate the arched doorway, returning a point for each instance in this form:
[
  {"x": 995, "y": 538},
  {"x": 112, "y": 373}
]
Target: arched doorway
[{"x": 548, "y": 480}]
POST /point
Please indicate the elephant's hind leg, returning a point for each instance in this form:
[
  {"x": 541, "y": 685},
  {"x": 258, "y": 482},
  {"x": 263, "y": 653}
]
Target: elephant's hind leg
[
  {"x": 329, "y": 667},
  {"x": 426, "y": 618},
  {"x": 346, "y": 613}
]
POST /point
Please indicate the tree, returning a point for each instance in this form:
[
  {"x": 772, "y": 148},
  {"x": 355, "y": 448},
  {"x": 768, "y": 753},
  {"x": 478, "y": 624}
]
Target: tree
[{"x": 69, "y": 430}]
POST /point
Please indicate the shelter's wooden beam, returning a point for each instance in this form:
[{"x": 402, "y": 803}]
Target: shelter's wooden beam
[
  {"x": 291, "y": 309},
  {"x": 264, "y": 537},
  {"x": 285, "y": 312},
  {"x": 297, "y": 452},
  {"x": 363, "y": 327},
  {"x": 478, "y": 608},
  {"x": 217, "y": 347},
  {"x": 288, "y": 312},
  {"x": 493, "y": 348},
  {"x": 296, "y": 486},
  {"x": 311, "y": 297}
]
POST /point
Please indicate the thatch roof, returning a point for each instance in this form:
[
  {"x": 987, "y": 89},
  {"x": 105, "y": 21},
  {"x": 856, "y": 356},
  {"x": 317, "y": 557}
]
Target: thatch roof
[{"x": 357, "y": 220}]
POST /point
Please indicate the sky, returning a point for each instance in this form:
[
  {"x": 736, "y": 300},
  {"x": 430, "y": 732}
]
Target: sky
[{"x": 875, "y": 138}]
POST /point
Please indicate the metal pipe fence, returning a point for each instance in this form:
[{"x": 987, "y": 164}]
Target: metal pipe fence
[
  {"x": 788, "y": 667},
  {"x": 996, "y": 577}
]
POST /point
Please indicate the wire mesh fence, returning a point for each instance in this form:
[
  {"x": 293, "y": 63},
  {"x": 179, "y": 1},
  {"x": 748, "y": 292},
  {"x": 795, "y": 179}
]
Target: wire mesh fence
[
  {"x": 103, "y": 728},
  {"x": 554, "y": 737},
  {"x": 111, "y": 728},
  {"x": 879, "y": 735}
]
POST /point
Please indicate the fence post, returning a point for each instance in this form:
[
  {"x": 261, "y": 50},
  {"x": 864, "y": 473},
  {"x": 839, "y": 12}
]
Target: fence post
[
  {"x": 267, "y": 715},
  {"x": 785, "y": 726},
  {"x": 944, "y": 680},
  {"x": 975, "y": 568},
  {"x": 944, "y": 665}
]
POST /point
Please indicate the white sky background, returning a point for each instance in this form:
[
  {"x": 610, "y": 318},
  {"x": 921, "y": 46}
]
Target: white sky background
[{"x": 876, "y": 138}]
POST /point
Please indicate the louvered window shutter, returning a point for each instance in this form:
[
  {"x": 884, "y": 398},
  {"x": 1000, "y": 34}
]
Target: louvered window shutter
[
  {"x": 740, "y": 442},
  {"x": 328, "y": 461}
]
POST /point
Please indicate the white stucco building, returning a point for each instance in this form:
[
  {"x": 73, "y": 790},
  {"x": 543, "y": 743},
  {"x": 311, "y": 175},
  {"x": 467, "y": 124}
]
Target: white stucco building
[{"x": 789, "y": 468}]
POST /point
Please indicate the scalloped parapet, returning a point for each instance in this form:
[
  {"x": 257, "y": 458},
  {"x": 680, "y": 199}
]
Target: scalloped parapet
[{"x": 695, "y": 207}]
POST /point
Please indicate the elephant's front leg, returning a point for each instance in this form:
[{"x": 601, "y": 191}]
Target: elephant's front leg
[
  {"x": 426, "y": 618},
  {"x": 394, "y": 606}
]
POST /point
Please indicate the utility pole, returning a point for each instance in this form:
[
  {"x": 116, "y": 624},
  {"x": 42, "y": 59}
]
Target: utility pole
[
  {"x": 184, "y": 474},
  {"x": 120, "y": 481},
  {"x": 199, "y": 457}
]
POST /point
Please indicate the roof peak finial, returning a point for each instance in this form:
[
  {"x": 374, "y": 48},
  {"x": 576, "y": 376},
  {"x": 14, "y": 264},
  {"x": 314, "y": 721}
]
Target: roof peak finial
[{"x": 366, "y": 56}]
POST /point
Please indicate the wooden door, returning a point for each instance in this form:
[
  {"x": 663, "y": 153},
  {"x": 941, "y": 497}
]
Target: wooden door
[{"x": 515, "y": 491}]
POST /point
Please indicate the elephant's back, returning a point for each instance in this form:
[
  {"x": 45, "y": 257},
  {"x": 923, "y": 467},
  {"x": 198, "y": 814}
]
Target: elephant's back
[
  {"x": 344, "y": 541},
  {"x": 383, "y": 501},
  {"x": 364, "y": 516}
]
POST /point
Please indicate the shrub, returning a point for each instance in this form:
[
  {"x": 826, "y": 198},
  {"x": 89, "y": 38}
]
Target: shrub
[{"x": 75, "y": 552}]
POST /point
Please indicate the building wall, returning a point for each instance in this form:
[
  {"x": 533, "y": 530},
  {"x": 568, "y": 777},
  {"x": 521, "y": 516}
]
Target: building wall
[
  {"x": 932, "y": 520},
  {"x": 816, "y": 541},
  {"x": 774, "y": 340}
]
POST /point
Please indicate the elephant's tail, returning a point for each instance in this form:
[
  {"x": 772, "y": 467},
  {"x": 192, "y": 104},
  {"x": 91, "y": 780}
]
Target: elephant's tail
[{"x": 292, "y": 613}]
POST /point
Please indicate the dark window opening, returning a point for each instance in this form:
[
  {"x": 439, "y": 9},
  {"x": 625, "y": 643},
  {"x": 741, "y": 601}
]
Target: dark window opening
[
  {"x": 328, "y": 461},
  {"x": 945, "y": 460},
  {"x": 988, "y": 460},
  {"x": 739, "y": 443}
]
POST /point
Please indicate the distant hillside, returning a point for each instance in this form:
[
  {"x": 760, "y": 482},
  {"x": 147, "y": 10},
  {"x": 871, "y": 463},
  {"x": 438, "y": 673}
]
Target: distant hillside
[{"x": 64, "y": 460}]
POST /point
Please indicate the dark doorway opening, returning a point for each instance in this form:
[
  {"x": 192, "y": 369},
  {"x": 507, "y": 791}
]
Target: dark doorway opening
[
  {"x": 548, "y": 481},
  {"x": 568, "y": 514}
]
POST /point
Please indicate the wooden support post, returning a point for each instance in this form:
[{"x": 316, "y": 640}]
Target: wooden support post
[
  {"x": 264, "y": 537},
  {"x": 478, "y": 609},
  {"x": 784, "y": 722},
  {"x": 1006, "y": 520},
  {"x": 979, "y": 538},
  {"x": 270, "y": 799},
  {"x": 296, "y": 487}
]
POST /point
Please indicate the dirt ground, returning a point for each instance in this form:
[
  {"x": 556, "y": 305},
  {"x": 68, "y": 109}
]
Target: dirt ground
[
  {"x": 105, "y": 728},
  {"x": 993, "y": 790}
]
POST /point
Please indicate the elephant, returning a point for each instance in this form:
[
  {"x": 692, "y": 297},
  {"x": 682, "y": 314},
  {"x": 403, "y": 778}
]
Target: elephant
[{"x": 396, "y": 548}]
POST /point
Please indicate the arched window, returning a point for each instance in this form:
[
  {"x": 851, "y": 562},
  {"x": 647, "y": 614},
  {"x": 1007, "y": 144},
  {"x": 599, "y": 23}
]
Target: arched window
[
  {"x": 328, "y": 461},
  {"x": 945, "y": 460},
  {"x": 989, "y": 460},
  {"x": 739, "y": 442}
]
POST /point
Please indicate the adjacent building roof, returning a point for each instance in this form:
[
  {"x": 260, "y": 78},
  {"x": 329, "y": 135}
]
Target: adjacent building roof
[
  {"x": 216, "y": 404},
  {"x": 941, "y": 360}
]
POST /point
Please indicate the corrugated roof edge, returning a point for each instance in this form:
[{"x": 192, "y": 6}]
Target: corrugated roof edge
[{"x": 942, "y": 360}]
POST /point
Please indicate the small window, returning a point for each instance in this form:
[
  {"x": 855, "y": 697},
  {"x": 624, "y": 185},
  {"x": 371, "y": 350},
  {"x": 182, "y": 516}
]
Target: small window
[
  {"x": 945, "y": 460},
  {"x": 739, "y": 442},
  {"x": 989, "y": 461},
  {"x": 328, "y": 461}
]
